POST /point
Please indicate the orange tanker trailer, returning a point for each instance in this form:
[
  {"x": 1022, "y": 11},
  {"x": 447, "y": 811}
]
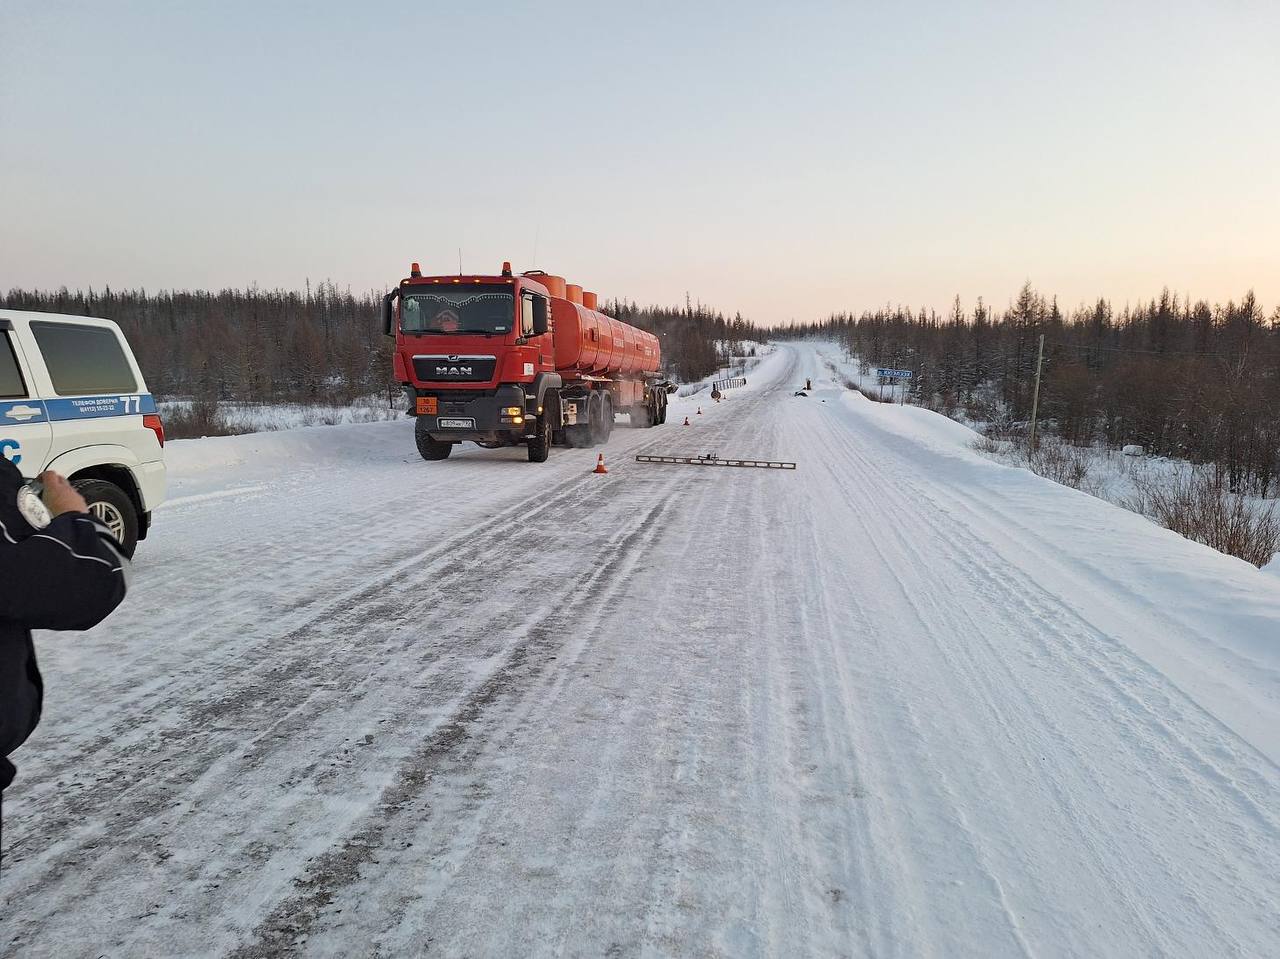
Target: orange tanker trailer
[{"x": 512, "y": 360}]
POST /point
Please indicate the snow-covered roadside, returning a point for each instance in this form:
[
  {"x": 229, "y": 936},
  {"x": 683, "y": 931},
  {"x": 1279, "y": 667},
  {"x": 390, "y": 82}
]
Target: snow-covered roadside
[
  {"x": 1122, "y": 479},
  {"x": 237, "y": 417}
]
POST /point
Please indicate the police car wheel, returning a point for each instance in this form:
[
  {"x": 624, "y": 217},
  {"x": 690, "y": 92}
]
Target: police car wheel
[{"x": 112, "y": 506}]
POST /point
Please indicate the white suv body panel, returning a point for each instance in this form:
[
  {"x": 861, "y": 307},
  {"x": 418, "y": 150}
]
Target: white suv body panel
[{"x": 76, "y": 431}]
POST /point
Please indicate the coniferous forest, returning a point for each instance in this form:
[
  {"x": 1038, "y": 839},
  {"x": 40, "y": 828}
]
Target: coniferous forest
[{"x": 1179, "y": 377}]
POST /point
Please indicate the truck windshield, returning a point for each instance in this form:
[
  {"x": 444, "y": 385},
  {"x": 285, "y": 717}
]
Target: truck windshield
[{"x": 486, "y": 309}]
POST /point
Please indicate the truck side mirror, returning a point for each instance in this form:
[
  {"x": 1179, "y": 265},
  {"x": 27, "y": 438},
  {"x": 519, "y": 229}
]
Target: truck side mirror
[
  {"x": 389, "y": 313},
  {"x": 541, "y": 322}
]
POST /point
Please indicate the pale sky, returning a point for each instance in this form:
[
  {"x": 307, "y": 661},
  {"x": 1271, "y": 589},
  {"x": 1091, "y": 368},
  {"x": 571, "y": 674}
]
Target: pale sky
[{"x": 782, "y": 160}]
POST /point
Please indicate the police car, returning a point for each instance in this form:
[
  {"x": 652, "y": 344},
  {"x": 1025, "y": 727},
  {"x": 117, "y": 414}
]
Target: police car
[{"x": 72, "y": 399}]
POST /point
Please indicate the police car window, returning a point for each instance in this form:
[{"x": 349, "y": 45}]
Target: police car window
[
  {"x": 84, "y": 359},
  {"x": 11, "y": 385}
]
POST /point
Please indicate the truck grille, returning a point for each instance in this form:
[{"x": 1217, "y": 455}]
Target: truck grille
[
  {"x": 455, "y": 402},
  {"x": 454, "y": 369}
]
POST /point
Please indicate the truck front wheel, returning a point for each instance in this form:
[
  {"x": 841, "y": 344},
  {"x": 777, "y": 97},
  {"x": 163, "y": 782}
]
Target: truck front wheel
[
  {"x": 540, "y": 442},
  {"x": 430, "y": 449},
  {"x": 111, "y": 505}
]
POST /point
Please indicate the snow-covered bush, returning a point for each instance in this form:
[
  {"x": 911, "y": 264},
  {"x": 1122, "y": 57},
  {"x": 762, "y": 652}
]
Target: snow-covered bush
[
  {"x": 1058, "y": 461},
  {"x": 1196, "y": 505}
]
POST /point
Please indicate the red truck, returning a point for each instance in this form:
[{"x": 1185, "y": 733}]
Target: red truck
[{"x": 517, "y": 360}]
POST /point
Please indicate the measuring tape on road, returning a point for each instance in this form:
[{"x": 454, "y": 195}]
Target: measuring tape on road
[{"x": 715, "y": 461}]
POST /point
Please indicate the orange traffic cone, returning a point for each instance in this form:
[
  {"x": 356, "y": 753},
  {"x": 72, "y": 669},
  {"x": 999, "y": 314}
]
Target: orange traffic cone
[
  {"x": 699, "y": 410},
  {"x": 600, "y": 467},
  {"x": 686, "y": 421}
]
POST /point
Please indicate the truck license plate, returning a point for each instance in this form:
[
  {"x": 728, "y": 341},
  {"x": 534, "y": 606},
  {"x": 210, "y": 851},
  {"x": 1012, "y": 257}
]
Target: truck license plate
[{"x": 456, "y": 424}]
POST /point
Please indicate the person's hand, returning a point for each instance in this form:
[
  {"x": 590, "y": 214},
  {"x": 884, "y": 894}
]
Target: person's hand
[{"x": 60, "y": 496}]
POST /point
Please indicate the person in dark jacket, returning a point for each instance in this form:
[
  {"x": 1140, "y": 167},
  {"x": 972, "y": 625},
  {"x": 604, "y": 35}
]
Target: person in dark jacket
[{"x": 59, "y": 569}]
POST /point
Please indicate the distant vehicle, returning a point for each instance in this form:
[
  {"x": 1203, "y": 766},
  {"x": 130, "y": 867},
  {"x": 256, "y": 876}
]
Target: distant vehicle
[
  {"x": 72, "y": 399},
  {"x": 517, "y": 360}
]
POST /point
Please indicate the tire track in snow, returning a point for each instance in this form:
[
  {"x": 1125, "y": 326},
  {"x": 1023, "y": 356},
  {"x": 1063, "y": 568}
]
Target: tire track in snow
[
  {"x": 299, "y": 619},
  {"x": 453, "y": 745},
  {"x": 1003, "y": 590},
  {"x": 1115, "y": 665},
  {"x": 932, "y": 610},
  {"x": 407, "y": 899},
  {"x": 1006, "y": 588},
  {"x": 395, "y": 899},
  {"x": 275, "y": 696},
  {"x": 205, "y": 619},
  {"x": 942, "y": 790}
]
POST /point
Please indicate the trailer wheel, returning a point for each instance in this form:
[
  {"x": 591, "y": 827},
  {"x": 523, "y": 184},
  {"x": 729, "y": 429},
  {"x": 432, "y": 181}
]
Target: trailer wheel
[
  {"x": 540, "y": 442},
  {"x": 608, "y": 417},
  {"x": 662, "y": 408},
  {"x": 431, "y": 449},
  {"x": 112, "y": 506}
]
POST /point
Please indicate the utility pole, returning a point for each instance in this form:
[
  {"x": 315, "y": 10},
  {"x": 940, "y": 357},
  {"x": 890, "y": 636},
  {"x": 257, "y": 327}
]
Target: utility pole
[{"x": 1035, "y": 399}]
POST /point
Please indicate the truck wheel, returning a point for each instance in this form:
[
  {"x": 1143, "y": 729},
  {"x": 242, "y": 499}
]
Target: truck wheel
[
  {"x": 553, "y": 410},
  {"x": 662, "y": 408},
  {"x": 110, "y": 504},
  {"x": 540, "y": 442},
  {"x": 429, "y": 448},
  {"x": 608, "y": 418}
]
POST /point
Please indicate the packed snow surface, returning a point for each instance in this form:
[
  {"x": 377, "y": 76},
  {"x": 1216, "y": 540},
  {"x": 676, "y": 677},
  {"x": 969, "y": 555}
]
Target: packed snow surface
[{"x": 903, "y": 701}]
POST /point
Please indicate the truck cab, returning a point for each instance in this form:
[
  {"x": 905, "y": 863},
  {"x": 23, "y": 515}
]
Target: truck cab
[{"x": 475, "y": 358}]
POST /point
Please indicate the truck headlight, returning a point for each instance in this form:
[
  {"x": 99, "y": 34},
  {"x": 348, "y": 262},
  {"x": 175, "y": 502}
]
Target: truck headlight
[{"x": 512, "y": 411}]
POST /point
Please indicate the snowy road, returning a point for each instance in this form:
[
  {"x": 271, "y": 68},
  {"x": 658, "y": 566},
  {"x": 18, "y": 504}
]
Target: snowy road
[{"x": 902, "y": 701}]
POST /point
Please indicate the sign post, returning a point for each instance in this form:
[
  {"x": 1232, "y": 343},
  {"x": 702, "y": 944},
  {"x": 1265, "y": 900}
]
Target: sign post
[{"x": 897, "y": 376}]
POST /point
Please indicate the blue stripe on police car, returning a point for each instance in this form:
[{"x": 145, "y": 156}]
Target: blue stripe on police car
[{"x": 92, "y": 407}]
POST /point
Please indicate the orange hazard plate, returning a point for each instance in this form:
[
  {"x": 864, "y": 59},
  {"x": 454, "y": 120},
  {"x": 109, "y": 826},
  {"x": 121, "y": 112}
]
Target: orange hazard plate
[{"x": 427, "y": 405}]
